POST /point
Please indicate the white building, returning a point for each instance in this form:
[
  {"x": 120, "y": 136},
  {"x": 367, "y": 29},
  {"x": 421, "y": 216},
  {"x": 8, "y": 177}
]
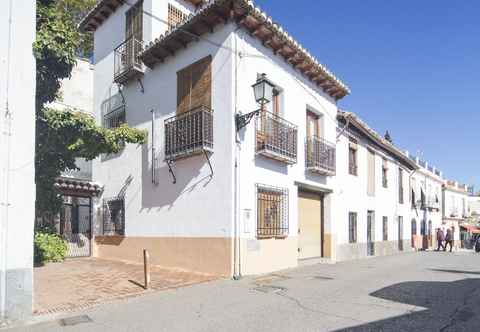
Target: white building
[
  {"x": 455, "y": 206},
  {"x": 426, "y": 203},
  {"x": 198, "y": 195},
  {"x": 372, "y": 216},
  {"x": 17, "y": 146},
  {"x": 474, "y": 207}
]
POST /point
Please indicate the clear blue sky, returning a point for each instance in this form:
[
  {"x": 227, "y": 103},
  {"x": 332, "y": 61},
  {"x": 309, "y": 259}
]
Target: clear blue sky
[{"x": 413, "y": 67}]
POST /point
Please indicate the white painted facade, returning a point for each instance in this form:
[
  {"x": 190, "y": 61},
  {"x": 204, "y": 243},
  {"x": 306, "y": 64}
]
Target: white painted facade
[
  {"x": 474, "y": 207},
  {"x": 17, "y": 146},
  {"x": 202, "y": 209},
  {"x": 352, "y": 196},
  {"x": 426, "y": 188},
  {"x": 198, "y": 206},
  {"x": 455, "y": 206}
]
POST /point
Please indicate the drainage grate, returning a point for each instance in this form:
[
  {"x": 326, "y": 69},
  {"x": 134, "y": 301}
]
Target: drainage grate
[
  {"x": 268, "y": 279},
  {"x": 321, "y": 278},
  {"x": 269, "y": 289},
  {"x": 76, "y": 320}
]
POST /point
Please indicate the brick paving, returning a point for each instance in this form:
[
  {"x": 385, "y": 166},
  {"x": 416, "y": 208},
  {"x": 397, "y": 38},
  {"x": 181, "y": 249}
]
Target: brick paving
[{"x": 82, "y": 283}]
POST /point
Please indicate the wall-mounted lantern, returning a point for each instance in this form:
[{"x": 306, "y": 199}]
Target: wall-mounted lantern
[{"x": 263, "y": 91}]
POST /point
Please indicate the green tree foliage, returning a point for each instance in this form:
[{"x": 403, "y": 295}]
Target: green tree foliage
[
  {"x": 49, "y": 247},
  {"x": 63, "y": 136}
]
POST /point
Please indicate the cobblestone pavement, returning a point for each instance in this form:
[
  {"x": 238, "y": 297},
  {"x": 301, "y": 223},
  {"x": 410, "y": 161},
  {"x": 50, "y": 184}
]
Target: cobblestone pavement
[
  {"x": 82, "y": 283},
  {"x": 418, "y": 292}
]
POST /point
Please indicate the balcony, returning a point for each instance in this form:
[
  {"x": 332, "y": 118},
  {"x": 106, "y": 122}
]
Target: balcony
[
  {"x": 432, "y": 204},
  {"x": 320, "y": 156},
  {"x": 127, "y": 64},
  {"x": 276, "y": 138},
  {"x": 189, "y": 133}
]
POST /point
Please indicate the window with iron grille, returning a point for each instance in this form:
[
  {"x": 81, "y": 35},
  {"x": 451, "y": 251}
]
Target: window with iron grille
[
  {"x": 385, "y": 228},
  {"x": 352, "y": 227},
  {"x": 175, "y": 16},
  {"x": 114, "y": 216},
  {"x": 113, "y": 112},
  {"x": 272, "y": 212}
]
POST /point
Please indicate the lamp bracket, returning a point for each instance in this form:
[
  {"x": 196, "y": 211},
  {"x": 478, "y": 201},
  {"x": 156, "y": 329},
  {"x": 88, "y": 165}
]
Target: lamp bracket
[{"x": 242, "y": 120}]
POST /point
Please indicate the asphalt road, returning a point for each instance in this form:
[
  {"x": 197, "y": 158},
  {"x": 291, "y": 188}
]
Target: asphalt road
[{"x": 426, "y": 291}]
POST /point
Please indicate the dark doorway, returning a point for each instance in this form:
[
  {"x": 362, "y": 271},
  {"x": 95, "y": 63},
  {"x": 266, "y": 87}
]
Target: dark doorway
[{"x": 370, "y": 233}]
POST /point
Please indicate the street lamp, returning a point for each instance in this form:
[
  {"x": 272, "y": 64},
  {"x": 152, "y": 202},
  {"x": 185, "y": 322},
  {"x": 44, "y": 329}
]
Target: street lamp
[{"x": 263, "y": 91}]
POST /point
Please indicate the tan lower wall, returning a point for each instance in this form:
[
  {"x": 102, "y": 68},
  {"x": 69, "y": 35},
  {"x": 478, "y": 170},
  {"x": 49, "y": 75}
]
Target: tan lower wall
[
  {"x": 268, "y": 255},
  {"x": 328, "y": 246},
  {"x": 206, "y": 255}
]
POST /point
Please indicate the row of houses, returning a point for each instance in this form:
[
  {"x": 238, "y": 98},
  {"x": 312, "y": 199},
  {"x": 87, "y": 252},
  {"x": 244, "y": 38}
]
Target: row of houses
[{"x": 250, "y": 165}]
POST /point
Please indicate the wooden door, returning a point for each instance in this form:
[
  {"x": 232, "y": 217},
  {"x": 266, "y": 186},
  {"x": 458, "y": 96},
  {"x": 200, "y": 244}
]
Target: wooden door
[{"x": 310, "y": 225}]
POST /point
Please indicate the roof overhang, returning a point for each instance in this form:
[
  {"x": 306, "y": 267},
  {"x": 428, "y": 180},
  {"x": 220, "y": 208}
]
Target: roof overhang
[
  {"x": 362, "y": 127},
  {"x": 249, "y": 17},
  {"x": 78, "y": 187},
  {"x": 104, "y": 8}
]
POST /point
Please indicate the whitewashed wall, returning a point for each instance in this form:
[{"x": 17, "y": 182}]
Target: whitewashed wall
[
  {"x": 196, "y": 206},
  {"x": 17, "y": 146},
  {"x": 455, "y": 204},
  {"x": 351, "y": 192},
  {"x": 298, "y": 95},
  {"x": 432, "y": 187}
]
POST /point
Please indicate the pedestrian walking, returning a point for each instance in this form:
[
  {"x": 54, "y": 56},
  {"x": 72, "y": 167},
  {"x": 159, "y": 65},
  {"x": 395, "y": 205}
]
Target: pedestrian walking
[
  {"x": 440, "y": 239},
  {"x": 448, "y": 240}
]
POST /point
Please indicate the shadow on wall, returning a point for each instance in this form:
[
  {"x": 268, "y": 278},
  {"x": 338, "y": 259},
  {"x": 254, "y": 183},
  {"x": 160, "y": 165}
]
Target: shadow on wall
[
  {"x": 317, "y": 178},
  {"x": 191, "y": 173},
  {"x": 271, "y": 164},
  {"x": 448, "y": 306}
]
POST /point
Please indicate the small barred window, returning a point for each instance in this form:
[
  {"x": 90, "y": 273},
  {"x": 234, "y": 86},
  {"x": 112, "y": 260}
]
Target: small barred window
[
  {"x": 272, "y": 212},
  {"x": 114, "y": 216},
  {"x": 175, "y": 16}
]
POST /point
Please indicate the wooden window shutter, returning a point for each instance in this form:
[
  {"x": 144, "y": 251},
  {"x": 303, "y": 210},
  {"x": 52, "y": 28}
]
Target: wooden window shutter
[
  {"x": 134, "y": 21},
  {"x": 194, "y": 86},
  {"x": 371, "y": 172}
]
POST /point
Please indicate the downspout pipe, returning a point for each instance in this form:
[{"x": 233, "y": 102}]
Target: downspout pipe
[{"x": 237, "y": 261}]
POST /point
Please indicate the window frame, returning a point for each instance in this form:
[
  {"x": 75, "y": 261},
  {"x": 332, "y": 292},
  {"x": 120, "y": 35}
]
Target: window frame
[
  {"x": 385, "y": 228},
  {"x": 401, "y": 194},
  {"x": 175, "y": 16},
  {"x": 353, "y": 157},
  {"x": 112, "y": 229},
  {"x": 385, "y": 173},
  {"x": 352, "y": 227},
  {"x": 278, "y": 229}
]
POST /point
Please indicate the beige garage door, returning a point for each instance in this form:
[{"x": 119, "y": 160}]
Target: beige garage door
[{"x": 309, "y": 230}]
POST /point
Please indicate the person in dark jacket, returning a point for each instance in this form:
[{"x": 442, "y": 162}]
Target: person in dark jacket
[
  {"x": 440, "y": 239},
  {"x": 448, "y": 240}
]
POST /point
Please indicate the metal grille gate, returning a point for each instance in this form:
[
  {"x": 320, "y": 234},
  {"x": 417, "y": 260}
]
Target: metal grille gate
[{"x": 76, "y": 225}]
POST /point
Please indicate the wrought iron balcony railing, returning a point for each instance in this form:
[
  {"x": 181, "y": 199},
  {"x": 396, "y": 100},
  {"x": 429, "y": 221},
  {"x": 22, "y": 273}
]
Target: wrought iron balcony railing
[
  {"x": 126, "y": 61},
  {"x": 276, "y": 137},
  {"x": 189, "y": 133},
  {"x": 432, "y": 203},
  {"x": 320, "y": 156}
]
